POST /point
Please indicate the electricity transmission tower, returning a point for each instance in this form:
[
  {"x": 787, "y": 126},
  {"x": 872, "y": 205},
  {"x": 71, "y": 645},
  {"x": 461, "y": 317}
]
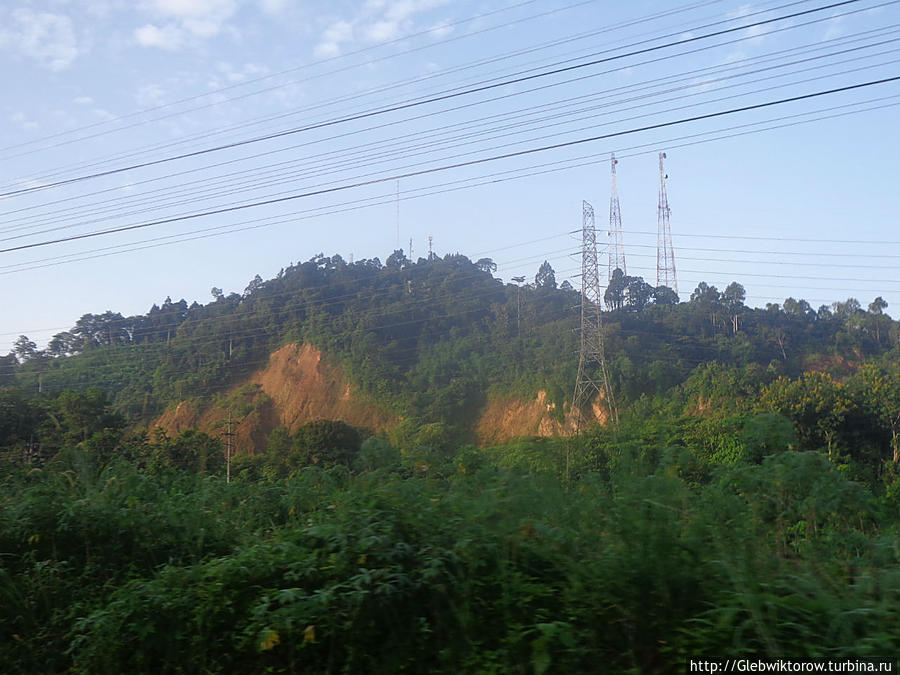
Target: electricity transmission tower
[
  {"x": 593, "y": 375},
  {"x": 665, "y": 252},
  {"x": 617, "y": 241}
]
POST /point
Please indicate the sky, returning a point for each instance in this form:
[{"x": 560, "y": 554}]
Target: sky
[{"x": 159, "y": 148}]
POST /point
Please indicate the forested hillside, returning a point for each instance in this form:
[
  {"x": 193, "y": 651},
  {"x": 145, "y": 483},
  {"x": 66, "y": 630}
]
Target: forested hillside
[{"x": 431, "y": 340}]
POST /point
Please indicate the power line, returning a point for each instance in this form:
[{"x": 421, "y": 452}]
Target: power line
[
  {"x": 426, "y": 101},
  {"x": 375, "y": 143},
  {"x": 577, "y": 162},
  {"x": 270, "y": 76},
  {"x": 519, "y": 153},
  {"x": 404, "y": 152}
]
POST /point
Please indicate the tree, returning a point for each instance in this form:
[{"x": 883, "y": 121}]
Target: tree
[
  {"x": 103, "y": 329},
  {"x": 879, "y": 388},
  {"x": 254, "y": 285},
  {"x": 767, "y": 434},
  {"x": 847, "y": 309},
  {"x": 799, "y": 309},
  {"x": 24, "y": 348},
  {"x": 545, "y": 277},
  {"x": 191, "y": 450},
  {"x": 733, "y": 300},
  {"x": 614, "y": 297},
  {"x": 63, "y": 344},
  {"x": 397, "y": 260},
  {"x": 76, "y": 416},
  {"x": 876, "y": 309},
  {"x": 815, "y": 403},
  {"x": 705, "y": 294},
  {"x": 486, "y": 265},
  {"x": 7, "y": 369},
  {"x": 328, "y": 442},
  {"x": 665, "y": 296},
  {"x": 217, "y": 293},
  {"x": 639, "y": 293},
  {"x": 708, "y": 299}
]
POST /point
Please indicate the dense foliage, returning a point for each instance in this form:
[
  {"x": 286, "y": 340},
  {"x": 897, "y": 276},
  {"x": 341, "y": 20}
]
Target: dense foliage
[{"x": 549, "y": 556}]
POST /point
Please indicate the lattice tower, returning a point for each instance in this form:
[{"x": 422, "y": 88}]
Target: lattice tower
[
  {"x": 665, "y": 252},
  {"x": 593, "y": 374}
]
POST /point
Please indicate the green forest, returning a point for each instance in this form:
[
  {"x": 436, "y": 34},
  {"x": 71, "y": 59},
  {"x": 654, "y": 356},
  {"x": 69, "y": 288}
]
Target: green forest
[{"x": 746, "y": 503}]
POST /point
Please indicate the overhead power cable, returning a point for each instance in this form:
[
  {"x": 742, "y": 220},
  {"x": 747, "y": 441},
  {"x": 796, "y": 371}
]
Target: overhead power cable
[
  {"x": 578, "y": 162},
  {"x": 262, "y": 78},
  {"x": 474, "y": 162},
  {"x": 396, "y": 149},
  {"x": 432, "y": 99},
  {"x": 522, "y": 112}
]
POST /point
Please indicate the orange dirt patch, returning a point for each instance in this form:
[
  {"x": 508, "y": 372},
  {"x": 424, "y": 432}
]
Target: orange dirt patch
[
  {"x": 304, "y": 388},
  {"x": 506, "y": 418},
  {"x": 297, "y": 386}
]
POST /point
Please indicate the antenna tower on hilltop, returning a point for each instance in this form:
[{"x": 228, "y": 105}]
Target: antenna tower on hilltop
[
  {"x": 397, "y": 205},
  {"x": 617, "y": 241},
  {"x": 665, "y": 252},
  {"x": 591, "y": 359}
]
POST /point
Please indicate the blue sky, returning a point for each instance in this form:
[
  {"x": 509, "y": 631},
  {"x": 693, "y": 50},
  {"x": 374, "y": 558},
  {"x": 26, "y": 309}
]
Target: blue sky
[{"x": 798, "y": 199}]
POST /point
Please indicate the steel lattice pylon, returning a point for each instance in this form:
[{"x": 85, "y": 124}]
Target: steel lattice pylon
[
  {"x": 616, "y": 238},
  {"x": 665, "y": 252},
  {"x": 593, "y": 375}
]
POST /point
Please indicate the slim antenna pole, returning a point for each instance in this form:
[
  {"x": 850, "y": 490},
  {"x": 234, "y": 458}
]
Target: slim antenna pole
[{"x": 617, "y": 243}]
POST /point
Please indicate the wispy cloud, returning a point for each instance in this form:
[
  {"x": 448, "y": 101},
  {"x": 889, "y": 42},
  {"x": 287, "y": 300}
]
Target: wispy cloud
[
  {"x": 150, "y": 96},
  {"x": 22, "y": 121},
  {"x": 170, "y": 38},
  {"x": 333, "y": 37},
  {"x": 180, "y": 23},
  {"x": 43, "y": 37},
  {"x": 378, "y": 21},
  {"x": 273, "y": 6}
]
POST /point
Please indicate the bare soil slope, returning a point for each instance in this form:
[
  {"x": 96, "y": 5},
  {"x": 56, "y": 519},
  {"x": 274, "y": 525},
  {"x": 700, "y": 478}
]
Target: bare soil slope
[
  {"x": 297, "y": 386},
  {"x": 505, "y": 418}
]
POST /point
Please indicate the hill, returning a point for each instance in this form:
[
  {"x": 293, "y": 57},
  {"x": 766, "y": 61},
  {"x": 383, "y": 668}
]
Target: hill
[{"x": 400, "y": 345}]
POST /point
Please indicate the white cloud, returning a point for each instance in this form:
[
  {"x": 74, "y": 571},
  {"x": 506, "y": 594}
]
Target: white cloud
[
  {"x": 234, "y": 74},
  {"x": 150, "y": 96},
  {"x": 273, "y": 6},
  {"x": 193, "y": 8},
  {"x": 333, "y": 37},
  {"x": 43, "y": 37},
  {"x": 379, "y": 21},
  {"x": 83, "y": 100},
  {"x": 440, "y": 30},
  {"x": 184, "y": 22},
  {"x": 381, "y": 31},
  {"x": 400, "y": 10},
  {"x": 169, "y": 38},
  {"x": 22, "y": 121},
  {"x": 104, "y": 114}
]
